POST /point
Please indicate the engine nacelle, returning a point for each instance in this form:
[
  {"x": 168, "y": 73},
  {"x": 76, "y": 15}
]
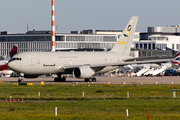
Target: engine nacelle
[{"x": 83, "y": 72}]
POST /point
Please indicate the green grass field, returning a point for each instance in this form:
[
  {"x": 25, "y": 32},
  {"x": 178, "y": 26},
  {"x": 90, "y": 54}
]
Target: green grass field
[{"x": 100, "y": 101}]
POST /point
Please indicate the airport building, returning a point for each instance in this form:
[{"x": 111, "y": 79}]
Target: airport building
[
  {"x": 156, "y": 41},
  {"x": 107, "y": 32},
  {"x": 173, "y": 30},
  {"x": 34, "y": 41},
  {"x": 159, "y": 41}
]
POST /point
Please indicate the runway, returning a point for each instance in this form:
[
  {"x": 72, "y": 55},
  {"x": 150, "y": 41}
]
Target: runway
[{"x": 104, "y": 80}]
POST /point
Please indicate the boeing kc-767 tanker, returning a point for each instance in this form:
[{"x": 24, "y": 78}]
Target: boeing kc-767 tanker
[{"x": 83, "y": 65}]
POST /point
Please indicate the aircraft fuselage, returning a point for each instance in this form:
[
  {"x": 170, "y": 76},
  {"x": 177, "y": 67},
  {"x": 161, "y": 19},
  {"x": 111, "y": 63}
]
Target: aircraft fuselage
[{"x": 36, "y": 63}]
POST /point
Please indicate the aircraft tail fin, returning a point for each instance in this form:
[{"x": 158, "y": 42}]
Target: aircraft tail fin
[
  {"x": 12, "y": 52},
  {"x": 176, "y": 60},
  {"x": 123, "y": 44},
  {"x": 177, "y": 54}
]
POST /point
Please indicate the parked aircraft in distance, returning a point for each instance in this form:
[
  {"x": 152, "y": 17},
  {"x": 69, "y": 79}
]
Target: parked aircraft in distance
[
  {"x": 3, "y": 63},
  {"x": 176, "y": 60},
  {"x": 82, "y": 65},
  {"x": 6, "y": 73},
  {"x": 159, "y": 69}
]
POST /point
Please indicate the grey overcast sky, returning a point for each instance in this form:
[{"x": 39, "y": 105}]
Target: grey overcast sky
[{"x": 87, "y": 14}]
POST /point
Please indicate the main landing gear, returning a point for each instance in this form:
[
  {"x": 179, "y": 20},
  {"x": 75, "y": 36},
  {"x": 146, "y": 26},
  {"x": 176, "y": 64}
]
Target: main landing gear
[
  {"x": 60, "y": 78},
  {"x": 90, "y": 80}
]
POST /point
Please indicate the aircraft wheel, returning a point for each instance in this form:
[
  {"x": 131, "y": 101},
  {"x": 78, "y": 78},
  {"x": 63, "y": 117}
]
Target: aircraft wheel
[
  {"x": 86, "y": 80},
  {"x": 93, "y": 79},
  {"x": 55, "y": 79},
  {"x": 20, "y": 80},
  {"x": 63, "y": 79}
]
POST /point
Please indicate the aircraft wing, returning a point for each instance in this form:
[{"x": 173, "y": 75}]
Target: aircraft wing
[
  {"x": 115, "y": 64},
  {"x": 150, "y": 57},
  {"x": 73, "y": 66},
  {"x": 131, "y": 62}
]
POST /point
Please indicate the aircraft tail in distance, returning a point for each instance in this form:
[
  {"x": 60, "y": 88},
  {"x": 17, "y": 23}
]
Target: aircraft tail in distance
[
  {"x": 123, "y": 45},
  {"x": 177, "y": 54},
  {"x": 176, "y": 60},
  {"x": 12, "y": 52},
  {"x": 3, "y": 63}
]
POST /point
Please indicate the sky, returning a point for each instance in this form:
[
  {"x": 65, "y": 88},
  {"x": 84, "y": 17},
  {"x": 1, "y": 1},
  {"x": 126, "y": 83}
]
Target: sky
[{"x": 72, "y": 15}]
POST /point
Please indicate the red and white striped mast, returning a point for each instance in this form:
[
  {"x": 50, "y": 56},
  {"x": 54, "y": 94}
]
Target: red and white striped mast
[{"x": 53, "y": 27}]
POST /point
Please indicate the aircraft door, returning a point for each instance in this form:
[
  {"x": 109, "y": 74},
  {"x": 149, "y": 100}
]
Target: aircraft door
[
  {"x": 112, "y": 59},
  {"x": 38, "y": 61},
  {"x": 31, "y": 61},
  {"x": 70, "y": 61},
  {"x": 53, "y": 61},
  {"x": 90, "y": 60}
]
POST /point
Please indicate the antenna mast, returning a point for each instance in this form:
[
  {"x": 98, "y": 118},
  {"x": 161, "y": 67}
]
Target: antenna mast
[{"x": 53, "y": 26}]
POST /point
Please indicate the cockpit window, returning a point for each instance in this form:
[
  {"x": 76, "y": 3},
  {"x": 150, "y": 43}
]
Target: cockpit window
[{"x": 16, "y": 59}]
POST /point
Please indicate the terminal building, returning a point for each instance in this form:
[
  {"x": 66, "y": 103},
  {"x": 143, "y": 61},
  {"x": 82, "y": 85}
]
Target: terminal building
[
  {"x": 156, "y": 41},
  {"x": 35, "y": 41},
  {"x": 159, "y": 41}
]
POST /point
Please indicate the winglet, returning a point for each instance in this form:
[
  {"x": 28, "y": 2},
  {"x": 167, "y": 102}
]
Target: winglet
[{"x": 123, "y": 45}]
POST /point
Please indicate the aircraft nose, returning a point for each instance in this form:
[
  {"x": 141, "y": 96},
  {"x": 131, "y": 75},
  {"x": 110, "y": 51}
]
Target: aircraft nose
[{"x": 10, "y": 65}]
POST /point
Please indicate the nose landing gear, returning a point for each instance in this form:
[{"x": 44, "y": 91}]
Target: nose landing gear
[{"x": 20, "y": 79}]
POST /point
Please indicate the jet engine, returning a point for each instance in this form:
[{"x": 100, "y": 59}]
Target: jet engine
[{"x": 83, "y": 72}]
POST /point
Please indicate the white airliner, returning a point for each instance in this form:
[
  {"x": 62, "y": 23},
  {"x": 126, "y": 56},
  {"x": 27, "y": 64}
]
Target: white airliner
[{"x": 83, "y": 65}]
